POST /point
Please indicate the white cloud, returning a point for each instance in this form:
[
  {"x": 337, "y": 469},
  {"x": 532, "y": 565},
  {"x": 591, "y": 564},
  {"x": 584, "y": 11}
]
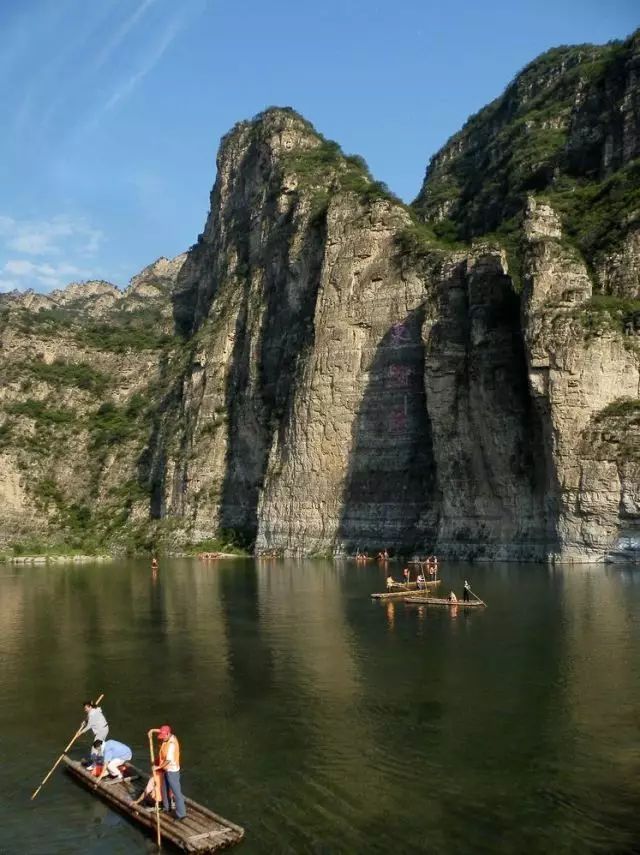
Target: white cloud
[
  {"x": 44, "y": 275},
  {"x": 126, "y": 87},
  {"x": 46, "y": 237},
  {"x": 45, "y": 254}
]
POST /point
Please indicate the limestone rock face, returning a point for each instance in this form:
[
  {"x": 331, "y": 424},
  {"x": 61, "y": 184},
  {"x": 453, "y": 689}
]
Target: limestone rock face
[
  {"x": 302, "y": 408},
  {"x": 619, "y": 271},
  {"x": 576, "y": 372},
  {"x": 352, "y": 463},
  {"x": 485, "y": 434},
  {"x": 338, "y": 393}
]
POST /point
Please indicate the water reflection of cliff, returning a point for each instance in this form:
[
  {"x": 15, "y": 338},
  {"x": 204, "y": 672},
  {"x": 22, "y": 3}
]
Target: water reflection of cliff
[
  {"x": 342, "y": 720},
  {"x": 83, "y": 630},
  {"x": 600, "y": 676}
]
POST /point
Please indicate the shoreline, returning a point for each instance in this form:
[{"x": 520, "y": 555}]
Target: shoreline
[
  {"x": 105, "y": 557},
  {"x": 54, "y": 559}
]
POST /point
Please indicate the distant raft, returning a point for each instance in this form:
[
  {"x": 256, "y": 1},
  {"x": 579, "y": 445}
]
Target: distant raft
[
  {"x": 201, "y": 831},
  {"x": 401, "y": 590},
  {"x": 437, "y": 601}
]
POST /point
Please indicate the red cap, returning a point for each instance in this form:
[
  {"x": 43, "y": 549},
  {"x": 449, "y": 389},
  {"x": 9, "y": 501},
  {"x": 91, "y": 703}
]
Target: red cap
[{"x": 165, "y": 731}]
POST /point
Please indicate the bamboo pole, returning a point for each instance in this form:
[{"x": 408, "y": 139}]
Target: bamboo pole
[
  {"x": 59, "y": 760},
  {"x": 155, "y": 781},
  {"x": 477, "y": 597}
]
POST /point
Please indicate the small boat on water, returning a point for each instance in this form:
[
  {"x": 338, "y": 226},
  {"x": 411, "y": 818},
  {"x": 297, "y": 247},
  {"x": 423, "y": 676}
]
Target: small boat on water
[
  {"x": 438, "y": 601},
  {"x": 401, "y": 590},
  {"x": 201, "y": 831}
]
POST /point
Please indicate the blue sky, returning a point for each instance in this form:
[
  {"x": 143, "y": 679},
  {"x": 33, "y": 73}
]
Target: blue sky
[{"x": 113, "y": 109}]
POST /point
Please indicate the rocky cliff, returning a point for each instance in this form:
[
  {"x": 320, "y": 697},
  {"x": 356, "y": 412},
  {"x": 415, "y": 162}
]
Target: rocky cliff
[
  {"x": 329, "y": 368},
  {"x": 81, "y": 371}
]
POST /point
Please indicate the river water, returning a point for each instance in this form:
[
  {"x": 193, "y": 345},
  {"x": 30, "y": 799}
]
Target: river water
[{"x": 322, "y": 721}]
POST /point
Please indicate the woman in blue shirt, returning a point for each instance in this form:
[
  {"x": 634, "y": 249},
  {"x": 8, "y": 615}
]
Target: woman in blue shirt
[{"x": 115, "y": 754}]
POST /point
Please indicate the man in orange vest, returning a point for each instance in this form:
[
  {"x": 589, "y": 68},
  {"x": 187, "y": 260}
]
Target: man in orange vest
[{"x": 169, "y": 764}]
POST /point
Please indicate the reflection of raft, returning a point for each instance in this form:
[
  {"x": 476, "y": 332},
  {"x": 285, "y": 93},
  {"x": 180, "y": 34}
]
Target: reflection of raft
[
  {"x": 436, "y": 601},
  {"x": 201, "y": 831},
  {"x": 398, "y": 591}
]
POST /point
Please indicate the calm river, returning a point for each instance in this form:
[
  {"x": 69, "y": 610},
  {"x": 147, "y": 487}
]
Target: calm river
[{"x": 322, "y": 721}]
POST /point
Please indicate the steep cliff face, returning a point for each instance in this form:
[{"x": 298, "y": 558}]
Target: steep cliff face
[
  {"x": 486, "y": 435},
  {"x": 582, "y": 368},
  {"x": 351, "y": 381},
  {"x": 301, "y": 413},
  {"x": 328, "y": 368},
  {"x": 550, "y": 173}
]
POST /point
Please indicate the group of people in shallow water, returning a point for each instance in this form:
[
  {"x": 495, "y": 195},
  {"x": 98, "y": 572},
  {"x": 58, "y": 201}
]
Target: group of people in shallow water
[{"x": 110, "y": 757}]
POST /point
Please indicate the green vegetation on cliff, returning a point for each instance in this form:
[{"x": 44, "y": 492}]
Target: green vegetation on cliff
[
  {"x": 40, "y": 412},
  {"x": 111, "y": 424},
  {"x": 61, "y": 373},
  {"x": 555, "y": 132},
  {"x": 614, "y": 433},
  {"x": 326, "y": 168},
  {"x": 605, "y": 312},
  {"x": 120, "y": 331},
  {"x": 598, "y": 214}
]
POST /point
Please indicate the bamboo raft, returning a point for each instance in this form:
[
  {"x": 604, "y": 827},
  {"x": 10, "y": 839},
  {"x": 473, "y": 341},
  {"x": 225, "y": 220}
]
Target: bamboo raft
[
  {"x": 201, "y": 831},
  {"x": 406, "y": 591},
  {"x": 437, "y": 601}
]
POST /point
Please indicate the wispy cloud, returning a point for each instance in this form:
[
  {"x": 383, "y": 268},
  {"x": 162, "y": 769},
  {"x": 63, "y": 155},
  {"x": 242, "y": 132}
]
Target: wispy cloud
[
  {"x": 38, "y": 98},
  {"x": 113, "y": 43},
  {"x": 126, "y": 87},
  {"x": 108, "y": 52}
]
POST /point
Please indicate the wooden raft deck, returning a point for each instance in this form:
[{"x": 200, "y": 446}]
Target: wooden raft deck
[
  {"x": 436, "y": 601},
  {"x": 201, "y": 831},
  {"x": 409, "y": 590}
]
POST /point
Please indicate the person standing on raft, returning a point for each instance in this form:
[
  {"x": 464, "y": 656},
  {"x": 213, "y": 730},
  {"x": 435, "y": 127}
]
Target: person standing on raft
[
  {"x": 96, "y": 722},
  {"x": 466, "y": 591},
  {"x": 169, "y": 764}
]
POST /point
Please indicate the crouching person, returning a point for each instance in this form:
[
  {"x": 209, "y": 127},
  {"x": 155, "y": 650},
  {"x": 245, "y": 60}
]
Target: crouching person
[{"x": 115, "y": 754}]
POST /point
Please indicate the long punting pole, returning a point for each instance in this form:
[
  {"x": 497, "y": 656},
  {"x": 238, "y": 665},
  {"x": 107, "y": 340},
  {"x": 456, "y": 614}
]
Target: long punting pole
[
  {"x": 59, "y": 760},
  {"x": 156, "y": 782},
  {"x": 477, "y": 597}
]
